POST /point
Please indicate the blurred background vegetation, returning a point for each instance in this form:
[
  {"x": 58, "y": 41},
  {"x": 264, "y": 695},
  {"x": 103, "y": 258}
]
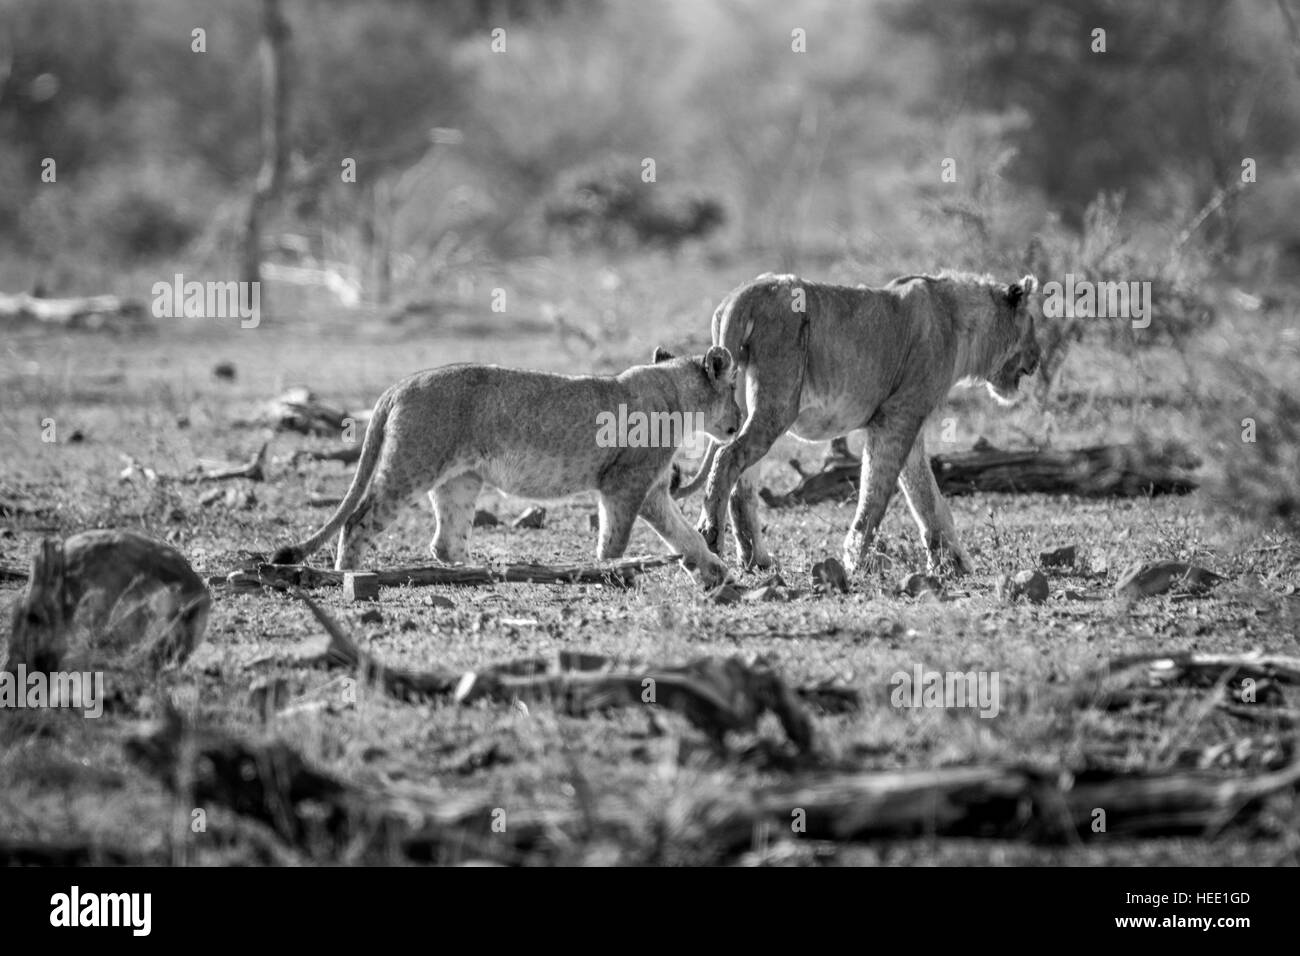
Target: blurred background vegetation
[
  {"x": 804, "y": 159},
  {"x": 474, "y": 164}
]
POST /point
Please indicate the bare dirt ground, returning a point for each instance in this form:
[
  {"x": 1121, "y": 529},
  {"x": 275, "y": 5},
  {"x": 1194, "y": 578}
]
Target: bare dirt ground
[{"x": 155, "y": 398}]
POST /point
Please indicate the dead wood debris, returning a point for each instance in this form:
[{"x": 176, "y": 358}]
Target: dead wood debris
[
  {"x": 621, "y": 573},
  {"x": 1098, "y": 471}
]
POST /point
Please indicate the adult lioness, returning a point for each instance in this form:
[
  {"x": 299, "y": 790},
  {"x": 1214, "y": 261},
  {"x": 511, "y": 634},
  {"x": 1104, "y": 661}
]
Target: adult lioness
[
  {"x": 448, "y": 431},
  {"x": 821, "y": 360}
]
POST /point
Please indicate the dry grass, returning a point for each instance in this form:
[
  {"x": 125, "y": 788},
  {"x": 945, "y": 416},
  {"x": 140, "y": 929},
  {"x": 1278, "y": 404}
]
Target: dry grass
[{"x": 64, "y": 776}]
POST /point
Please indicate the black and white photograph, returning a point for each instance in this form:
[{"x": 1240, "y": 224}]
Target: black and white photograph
[{"x": 667, "y": 434}]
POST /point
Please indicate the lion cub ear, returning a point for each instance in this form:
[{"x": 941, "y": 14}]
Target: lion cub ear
[
  {"x": 661, "y": 355},
  {"x": 717, "y": 362},
  {"x": 1017, "y": 291}
]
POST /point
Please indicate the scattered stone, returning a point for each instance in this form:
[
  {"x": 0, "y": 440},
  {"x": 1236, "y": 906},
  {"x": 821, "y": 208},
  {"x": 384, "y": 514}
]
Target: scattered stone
[
  {"x": 372, "y": 615},
  {"x": 726, "y": 593},
  {"x": 360, "y": 586},
  {"x": 437, "y": 600},
  {"x": 829, "y": 576},
  {"x": 1064, "y": 557},
  {"x": 243, "y": 581},
  {"x": 485, "y": 519},
  {"x": 268, "y": 695},
  {"x": 773, "y": 589},
  {"x": 534, "y": 517},
  {"x": 1031, "y": 585},
  {"x": 915, "y": 585},
  {"x": 1157, "y": 577},
  {"x": 240, "y": 499}
]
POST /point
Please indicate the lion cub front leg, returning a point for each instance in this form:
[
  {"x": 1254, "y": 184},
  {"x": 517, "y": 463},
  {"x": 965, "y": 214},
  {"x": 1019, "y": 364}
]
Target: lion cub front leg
[
  {"x": 889, "y": 438},
  {"x": 661, "y": 514},
  {"x": 931, "y": 514}
]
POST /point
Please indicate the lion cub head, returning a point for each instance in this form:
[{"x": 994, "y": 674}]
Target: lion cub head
[
  {"x": 1015, "y": 350},
  {"x": 708, "y": 387}
]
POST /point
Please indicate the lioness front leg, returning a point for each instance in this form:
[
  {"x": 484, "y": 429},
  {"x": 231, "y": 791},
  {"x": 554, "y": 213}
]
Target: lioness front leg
[
  {"x": 931, "y": 514},
  {"x": 661, "y": 513},
  {"x": 889, "y": 439}
]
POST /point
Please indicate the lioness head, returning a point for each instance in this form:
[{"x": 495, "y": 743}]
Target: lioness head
[
  {"x": 1015, "y": 351},
  {"x": 709, "y": 389}
]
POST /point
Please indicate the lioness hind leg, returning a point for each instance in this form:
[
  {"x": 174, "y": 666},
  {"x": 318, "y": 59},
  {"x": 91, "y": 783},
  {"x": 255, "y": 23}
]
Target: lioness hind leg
[
  {"x": 889, "y": 439},
  {"x": 661, "y": 513},
  {"x": 453, "y": 505},
  {"x": 931, "y": 514},
  {"x": 745, "y": 528},
  {"x": 772, "y": 410}
]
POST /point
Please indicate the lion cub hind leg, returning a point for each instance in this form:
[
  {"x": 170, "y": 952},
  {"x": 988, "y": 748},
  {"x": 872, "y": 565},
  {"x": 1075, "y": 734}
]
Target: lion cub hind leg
[
  {"x": 889, "y": 439},
  {"x": 385, "y": 497},
  {"x": 662, "y": 514},
  {"x": 453, "y": 506},
  {"x": 931, "y": 514},
  {"x": 618, "y": 510}
]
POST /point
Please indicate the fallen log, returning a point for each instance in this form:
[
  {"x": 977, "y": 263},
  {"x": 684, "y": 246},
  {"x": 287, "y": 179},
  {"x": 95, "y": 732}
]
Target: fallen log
[
  {"x": 715, "y": 694},
  {"x": 1141, "y": 677},
  {"x": 81, "y": 312},
  {"x": 323, "y": 817},
  {"x": 622, "y": 573},
  {"x": 998, "y": 803},
  {"x": 1099, "y": 471},
  {"x": 254, "y": 469}
]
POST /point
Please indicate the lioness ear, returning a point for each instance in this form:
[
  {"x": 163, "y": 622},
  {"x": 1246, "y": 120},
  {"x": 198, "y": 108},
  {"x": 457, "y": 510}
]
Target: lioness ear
[
  {"x": 717, "y": 361},
  {"x": 661, "y": 354},
  {"x": 1017, "y": 291}
]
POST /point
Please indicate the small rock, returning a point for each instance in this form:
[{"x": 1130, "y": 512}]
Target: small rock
[
  {"x": 829, "y": 575},
  {"x": 372, "y": 616},
  {"x": 1031, "y": 585},
  {"x": 241, "y": 499},
  {"x": 916, "y": 584},
  {"x": 243, "y": 581},
  {"x": 360, "y": 586},
  {"x": 224, "y": 371},
  {"x": 726, "y": 593},
  {"x": 773, "y": 589},
  {"x": 485, "y": 519},
  {"x": 211, "y": 496},
  {"x": 409, "y": 625},
  {"x": 1064, "y": 557},
  {"x": 1157, "y": 577},
  {"x": 437, "y": 600},
  {"x": 534, "y": 517}
]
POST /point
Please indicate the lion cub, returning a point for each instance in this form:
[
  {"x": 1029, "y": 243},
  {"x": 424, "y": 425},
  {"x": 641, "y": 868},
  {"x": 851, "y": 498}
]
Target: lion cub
[{"x": 448, "y": 431}]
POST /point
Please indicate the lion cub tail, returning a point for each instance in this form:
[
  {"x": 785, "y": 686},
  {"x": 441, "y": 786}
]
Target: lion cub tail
[{"x": 370, "y": 448}]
